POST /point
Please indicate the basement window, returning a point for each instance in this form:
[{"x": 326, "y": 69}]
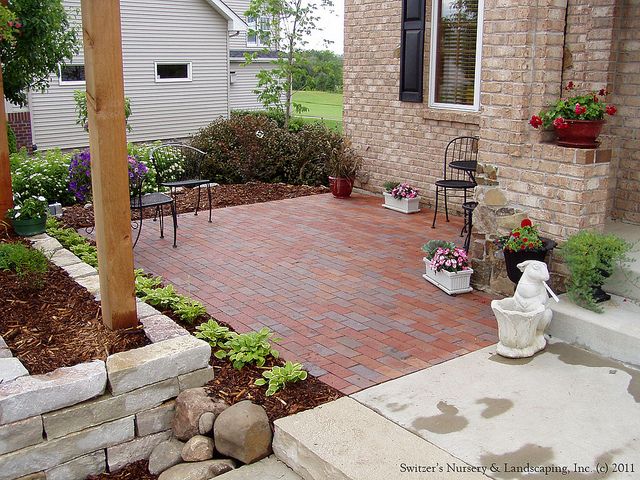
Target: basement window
[
  {"x": 71, "y": 75},
  {"x": 173, "y": 72}
]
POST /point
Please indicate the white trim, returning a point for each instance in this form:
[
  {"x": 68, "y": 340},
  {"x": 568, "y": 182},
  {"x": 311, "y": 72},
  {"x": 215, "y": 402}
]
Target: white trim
[
  {"x": 255, "y": 60},
  {"x": 235, "y": 23},
  {"x": 67, "y": 83},
  {"x": 435, "y": 14},
  {"x": 173, "y": 80}
]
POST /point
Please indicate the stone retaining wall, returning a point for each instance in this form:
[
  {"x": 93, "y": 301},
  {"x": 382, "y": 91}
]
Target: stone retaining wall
[{"x": 78, "y": 421}]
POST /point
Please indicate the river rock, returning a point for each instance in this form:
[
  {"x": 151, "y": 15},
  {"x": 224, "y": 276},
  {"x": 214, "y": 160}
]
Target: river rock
[
  {"x": 205, "y": 424},
  {"x": 190, "y": 405},
  {"x": 165, "y": 455},
  {"x": 198, "y": 471},
  {"x": 198, "y": 449},
  {"x": 242, "y": 432}
]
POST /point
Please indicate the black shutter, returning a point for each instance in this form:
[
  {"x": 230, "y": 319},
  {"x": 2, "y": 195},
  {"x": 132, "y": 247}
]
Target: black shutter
[{"x": 412, "y": 50}]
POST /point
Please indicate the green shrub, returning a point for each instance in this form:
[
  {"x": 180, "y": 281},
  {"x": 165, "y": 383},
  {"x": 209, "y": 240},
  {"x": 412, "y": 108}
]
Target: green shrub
[
  {"x": 145, "y": 282},
  {"x": 30, "y": 265},
  {"x": 165, "y": 297},
  {"x": 591, "y": 258},
  {"x": 214, "y": 333},
  {"x": 249, "y": 348},
  {"x": 278, "y": 377},
  {"x": 13, "y": 141},
  {"x": 44, "y": 174},
  {"x": 188, "y": 309}
]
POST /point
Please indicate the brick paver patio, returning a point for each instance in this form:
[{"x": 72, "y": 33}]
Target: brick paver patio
[{"x": 339, "y": 280}]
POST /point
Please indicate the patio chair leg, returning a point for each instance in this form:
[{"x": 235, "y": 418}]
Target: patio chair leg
[
  {"x": 198, "y": 204},
  {"x": 446, "y": 206},
  {"x": 175, "y": 223},
  {"x": 435, "y": 213},
  {"x": 469, "y": 223},
  {"x": 174, "y": 195},
  {"x": 139, "y": 230},
  {"x": 209, "y": 194},
  {"x": 161, "y": 208}
]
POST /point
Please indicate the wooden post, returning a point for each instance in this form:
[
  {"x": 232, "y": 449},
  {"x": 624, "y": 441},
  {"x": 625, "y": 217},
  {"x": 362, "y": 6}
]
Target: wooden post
[
  {"x": 109, "y": 173},
  {"x": 6, "y": 195}
]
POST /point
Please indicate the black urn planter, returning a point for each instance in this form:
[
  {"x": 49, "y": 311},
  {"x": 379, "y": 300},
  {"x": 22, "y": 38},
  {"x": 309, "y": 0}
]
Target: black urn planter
[
  {"x": 598, "y": 294},
  {"x": 512, "y": 259}
]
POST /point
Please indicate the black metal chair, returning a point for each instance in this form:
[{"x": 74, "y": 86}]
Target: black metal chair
[
  {"x": 157, "y": 200},
  {"x": 460, "y": 163},
  {"x": 179, "y": 166}
]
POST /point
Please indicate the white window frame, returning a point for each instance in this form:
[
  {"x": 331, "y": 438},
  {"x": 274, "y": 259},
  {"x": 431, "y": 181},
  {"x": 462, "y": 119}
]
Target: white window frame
[
  {"x": 173, "y": 80},
  {"x": 62, "y": 82},
  {"x": 435, "y": 17},
  {"x": 258, "y": 23}
]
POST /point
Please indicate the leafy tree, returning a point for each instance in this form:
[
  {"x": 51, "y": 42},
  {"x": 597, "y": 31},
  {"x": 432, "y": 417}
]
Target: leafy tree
[
  {"x": 291, "y": 22},
  {"x": 318, "y": 70},
  {"x": 43, "y": 39}
]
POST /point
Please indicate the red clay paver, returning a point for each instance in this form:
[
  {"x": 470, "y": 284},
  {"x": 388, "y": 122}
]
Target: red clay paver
[{"x": 339, "y": 280}]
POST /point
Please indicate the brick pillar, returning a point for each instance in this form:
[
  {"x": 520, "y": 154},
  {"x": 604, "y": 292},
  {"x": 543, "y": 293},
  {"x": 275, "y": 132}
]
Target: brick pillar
[{"x": 21, "y": 124}]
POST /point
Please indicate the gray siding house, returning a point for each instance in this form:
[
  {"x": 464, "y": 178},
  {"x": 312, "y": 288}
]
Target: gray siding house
[{"x": 182, "y": 69}]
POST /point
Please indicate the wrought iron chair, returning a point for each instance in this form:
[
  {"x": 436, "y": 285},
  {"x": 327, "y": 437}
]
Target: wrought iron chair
[
  {"x": 460, "y": 163},
  {"x": 179, "y": 166},
  {"x": 157, "y": 200}
]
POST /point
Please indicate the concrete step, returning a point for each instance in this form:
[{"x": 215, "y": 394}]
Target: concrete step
[
  {"x": 269, "y": 468},
  {"x": 625, "y": 281},
  {"x": 615, "y": 333},
  {"x": 344, "y": 440}
]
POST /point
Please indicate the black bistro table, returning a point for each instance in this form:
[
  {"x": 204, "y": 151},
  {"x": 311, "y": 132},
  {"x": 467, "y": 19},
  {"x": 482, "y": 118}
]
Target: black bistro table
[{"x": 467, "y": 166}]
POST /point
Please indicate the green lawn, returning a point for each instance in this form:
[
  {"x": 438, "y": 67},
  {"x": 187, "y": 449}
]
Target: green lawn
[{"x": 323, "y": 106}]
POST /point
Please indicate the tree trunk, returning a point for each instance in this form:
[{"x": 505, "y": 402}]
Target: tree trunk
[{"x": 6, "y": 195}]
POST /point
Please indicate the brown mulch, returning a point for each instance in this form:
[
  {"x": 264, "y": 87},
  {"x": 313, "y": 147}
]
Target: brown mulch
[
  {"x": 133, "y": 471},
  {"x": 59, "y": 325},
  {"x": 77, "y": 216}
]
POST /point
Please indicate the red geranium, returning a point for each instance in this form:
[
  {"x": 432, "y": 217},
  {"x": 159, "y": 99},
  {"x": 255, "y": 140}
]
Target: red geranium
[
  {"x": 580, "y": 109},
  {"x": 535, "y": 121},
  {"x": 526, "y": 223},
  {"x": 524, "y": 237},
  {"x": 611, "y": 109},
  {"x": 559, "y": 123},
  {"x": 569, "y": 86}
]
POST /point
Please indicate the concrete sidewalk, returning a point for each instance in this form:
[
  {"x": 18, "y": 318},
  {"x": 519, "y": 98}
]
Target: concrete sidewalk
[{"x": 566, "y": 410}]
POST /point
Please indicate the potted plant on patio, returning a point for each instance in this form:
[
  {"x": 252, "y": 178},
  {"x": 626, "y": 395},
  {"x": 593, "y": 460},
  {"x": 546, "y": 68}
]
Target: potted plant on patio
[
  {"x": 401, "y": 197},
  {"x": 447, "y": 267},
  {"x": 523, "y": 243},
  {"x": 591, "y": 258},
  {"x": 29, "y": 217},
  {"x": 343, "y": 164},
  {"x": 577, "y": 120}
]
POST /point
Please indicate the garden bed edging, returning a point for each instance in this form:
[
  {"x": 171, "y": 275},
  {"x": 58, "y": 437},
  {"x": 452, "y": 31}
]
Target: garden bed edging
[{"x": 77, "y": 421}]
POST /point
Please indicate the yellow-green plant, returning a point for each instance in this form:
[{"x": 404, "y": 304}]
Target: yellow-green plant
[
  {"x": 278, "y": 377},
  {"x": 249, "y": 348},
  {"x": 214, "y": 333}
]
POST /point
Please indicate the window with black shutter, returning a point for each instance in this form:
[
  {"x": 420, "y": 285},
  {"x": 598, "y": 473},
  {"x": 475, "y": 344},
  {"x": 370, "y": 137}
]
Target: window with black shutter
[{"x": 412, "y": 50}]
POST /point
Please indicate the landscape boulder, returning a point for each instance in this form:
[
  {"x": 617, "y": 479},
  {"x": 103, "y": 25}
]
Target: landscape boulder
[
  {"x": 205, "y": 424},
  {"x": 198, "y": 471},
  {"x": 198, "y": 449},
  {"x": 190, "y": 405},
  {"x": 165, "y": 455},
  {"x": 242, "y": 432}
]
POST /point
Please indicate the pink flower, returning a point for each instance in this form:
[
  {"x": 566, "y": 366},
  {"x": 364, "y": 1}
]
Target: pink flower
[
  {"x": 535, "y": 121},
  {"x": 611, "y": 109},
  {"x": 560, "y": 123},
  {"x": 580, "y": 109}
]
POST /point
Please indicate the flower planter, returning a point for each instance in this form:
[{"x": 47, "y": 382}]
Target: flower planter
[
  {"x": 341, "y": 187},
  {"x": 404, "y": 205},
  {"x": 580, "y": 133},
  {"x": 452, "y": 283},
  {"x": 512, "y": 259},
  {"x": 29, "y": 226}
]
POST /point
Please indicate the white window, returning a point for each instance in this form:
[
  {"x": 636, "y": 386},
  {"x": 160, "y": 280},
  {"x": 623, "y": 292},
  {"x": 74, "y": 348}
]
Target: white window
[
  {"x": 456, "y": 45},
  {"x": 71, "y": 75},
  {"x": 258, "y": 32},
  {"x": 173, "y": 71}
]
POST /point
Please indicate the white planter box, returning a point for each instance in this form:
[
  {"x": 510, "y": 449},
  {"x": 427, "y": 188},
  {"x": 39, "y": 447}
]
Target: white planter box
[
  {"x": 404, "y": 205},
  {"x": 451, "y": 283}
]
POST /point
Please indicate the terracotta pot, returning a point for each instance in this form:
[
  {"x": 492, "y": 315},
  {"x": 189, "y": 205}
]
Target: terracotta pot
[
  {"x": 29, "y": 227},
  {"x": 512, "y": 259},
  {"x": 580, "y": 133},
  {"x": 341, "y": 187}
]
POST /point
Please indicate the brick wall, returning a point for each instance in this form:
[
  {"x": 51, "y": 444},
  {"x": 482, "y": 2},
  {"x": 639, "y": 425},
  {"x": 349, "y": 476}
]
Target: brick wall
[
  {"x": 626, "y": 125},
  {"x": 21, "y": 124},
  {"x": 398, "y": 140}
]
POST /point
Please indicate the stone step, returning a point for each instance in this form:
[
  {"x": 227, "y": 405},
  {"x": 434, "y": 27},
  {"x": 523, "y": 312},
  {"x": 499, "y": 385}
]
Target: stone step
[
  {"x": 615, "y": 333},
  {"x": 625, "y": 281},
  {"x": 344, "y": 440},
  {"x": 269, "y": 468}
]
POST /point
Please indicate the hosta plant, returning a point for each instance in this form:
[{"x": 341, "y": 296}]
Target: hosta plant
[
  {"x": 188, "y": 309},
  {"x": 214, "y": 333},
  {"x": 278, "y": 377},
  {"x": 249, "y": 348}
]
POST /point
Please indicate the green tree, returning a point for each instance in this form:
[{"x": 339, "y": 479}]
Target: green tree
[
  {"x": 291, "y": 22},
  {"x": 318, "y": 70},
  {"x": 43, "y": 40}
]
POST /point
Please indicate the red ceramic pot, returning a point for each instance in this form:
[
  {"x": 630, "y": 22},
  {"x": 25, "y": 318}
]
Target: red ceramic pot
[
  {"x": 580, "y": 133},
  {"x": 341, "y": 187}
]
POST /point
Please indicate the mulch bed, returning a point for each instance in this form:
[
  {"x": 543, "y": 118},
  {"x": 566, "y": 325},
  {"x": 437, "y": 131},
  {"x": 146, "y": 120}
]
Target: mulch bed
[
  {"x": 59, "y": 325},
  {"x": 133, "y": 471},
  {"x": 77, "y": 216}
]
